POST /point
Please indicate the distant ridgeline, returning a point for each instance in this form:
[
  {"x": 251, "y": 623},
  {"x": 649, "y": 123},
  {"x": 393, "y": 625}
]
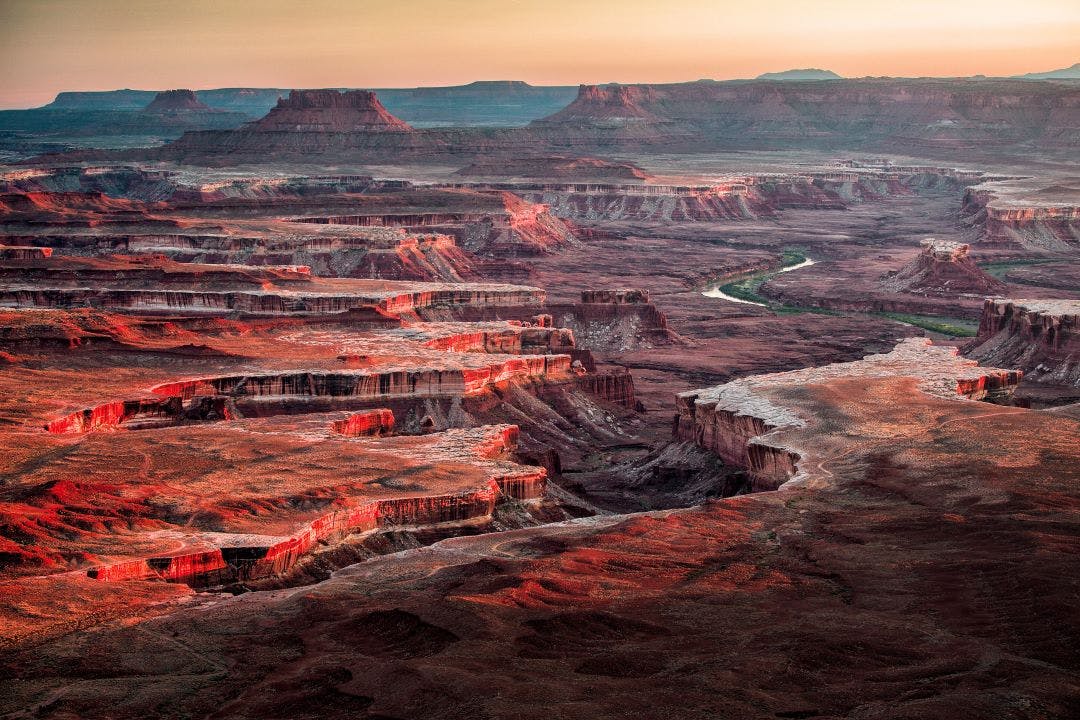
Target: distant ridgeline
[
  {"x": 495, "y": 102},
  {"x": 807, "y": 109}
]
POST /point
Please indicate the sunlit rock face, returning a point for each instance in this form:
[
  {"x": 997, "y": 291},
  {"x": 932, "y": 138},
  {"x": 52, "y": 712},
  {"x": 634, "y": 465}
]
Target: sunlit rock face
[{"x": 1040, "y": 336}]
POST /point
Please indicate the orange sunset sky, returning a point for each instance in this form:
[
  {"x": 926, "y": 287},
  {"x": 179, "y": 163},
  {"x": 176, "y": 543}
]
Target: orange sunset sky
[{"x": 52, "y": 45}]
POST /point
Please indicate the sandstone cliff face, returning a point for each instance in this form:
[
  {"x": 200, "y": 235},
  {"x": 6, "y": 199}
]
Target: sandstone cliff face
[
  {"x": 512, "y": 228},
  {"x": 1040, "y": 336},
  {"x": 379, "y": 421},
  {"x": 616, "y": 103},
  {"x": 738, "y": 198},
  {"x": 743, "y": 421},
  {"x": 1039, "y": 227},
  {"x": 615, "y": 387},
  {"x": 614, "y": 320}
]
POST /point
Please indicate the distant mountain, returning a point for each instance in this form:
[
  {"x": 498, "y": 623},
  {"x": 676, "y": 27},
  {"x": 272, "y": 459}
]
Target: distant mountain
[
  {"x": 1069, "y": 73},
  {"x": 803, "y": 74}
]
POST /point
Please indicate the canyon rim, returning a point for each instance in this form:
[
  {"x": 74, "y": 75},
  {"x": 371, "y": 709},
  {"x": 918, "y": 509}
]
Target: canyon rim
[{"x": 341, "y": 380}]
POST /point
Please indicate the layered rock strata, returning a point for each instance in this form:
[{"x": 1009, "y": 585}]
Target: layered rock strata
[
  {"x": 1040, "y": 336},
  {"x": 744, "y": 424}
]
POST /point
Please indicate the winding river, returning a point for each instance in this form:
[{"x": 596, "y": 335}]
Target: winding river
[{"x": 716, "y": 292}]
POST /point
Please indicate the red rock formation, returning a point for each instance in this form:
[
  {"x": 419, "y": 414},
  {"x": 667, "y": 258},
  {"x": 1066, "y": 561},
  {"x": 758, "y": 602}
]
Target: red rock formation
[
  {"x": 20, "y": 252},
  {"x": 370, "y": 422},
  {"x": 153, "y": 284},
  {"x": 1042, "y": 337},
  {"x": 512, "y": 228},
  {"x": 515, "y": 338},
  {"x": 942, "y": 268},
  {"x": 1041, "y": 226},
  {"x": 614, "y": 103},
  {"x": 615, "y": 387},
  {"x": 739, "y": 421},
  {"x": 739, "y": 198},
  {"x": 329, "y": 111},
  {"x": 113, "y": 414}
]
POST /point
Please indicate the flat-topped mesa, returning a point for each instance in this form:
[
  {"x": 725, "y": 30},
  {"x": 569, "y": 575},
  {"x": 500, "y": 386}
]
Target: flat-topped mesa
[
  {"x": 867, "y": 113},
  {"x": 1042, "y": 337},
  {"x": 606, "y": 103},
  {"x": 742, "y": 421},
  {"x": 177, "y": 101},
  {"x": 489, "y": 223},
  {"x": 942, "y": 268},
  {"x": 736, "y": 197},
  {"x": 330, "y": 111},
  {"x": 1042, "y": 226},
  {"x": 483, "y": 477}
]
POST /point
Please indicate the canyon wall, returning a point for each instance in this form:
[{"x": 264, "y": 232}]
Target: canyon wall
[
  {"x": 1040, "y": 227},
  {"x": 743, "y": 422},
  {"x": 1042, "y": 337}
]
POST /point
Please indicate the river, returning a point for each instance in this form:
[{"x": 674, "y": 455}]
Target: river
[{"x": 716, "y": 292}]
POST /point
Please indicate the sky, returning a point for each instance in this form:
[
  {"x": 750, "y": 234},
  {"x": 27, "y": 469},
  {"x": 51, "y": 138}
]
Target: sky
[{"x": 51, "y": 45}]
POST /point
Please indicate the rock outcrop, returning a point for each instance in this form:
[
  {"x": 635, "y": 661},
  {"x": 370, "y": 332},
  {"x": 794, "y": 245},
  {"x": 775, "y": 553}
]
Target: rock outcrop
[
  {"x": 154, "y": 284},
  {"x": 615, "y": 387},
  {"x": 1042, "y": 337},
  {"x": 738, "y": 197},
  {"x": 943, "y": 268},
  {"x": 742, "y": 423},
  {"x": 329, "y": 111}
]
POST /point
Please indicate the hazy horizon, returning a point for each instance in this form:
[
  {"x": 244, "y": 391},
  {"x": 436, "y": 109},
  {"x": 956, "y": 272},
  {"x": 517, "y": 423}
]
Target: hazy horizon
[{"x": 53, "y": 46}]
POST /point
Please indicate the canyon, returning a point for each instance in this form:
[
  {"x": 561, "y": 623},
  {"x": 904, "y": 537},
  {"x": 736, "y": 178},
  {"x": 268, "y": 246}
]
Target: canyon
[{"x": 750, "y": 399}]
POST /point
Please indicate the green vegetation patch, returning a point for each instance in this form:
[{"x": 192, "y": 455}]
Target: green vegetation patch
[
  {"x": 953, "y": 327},
  {"x": 746, "y": 288},
  {"x": 998, "y": 269}
]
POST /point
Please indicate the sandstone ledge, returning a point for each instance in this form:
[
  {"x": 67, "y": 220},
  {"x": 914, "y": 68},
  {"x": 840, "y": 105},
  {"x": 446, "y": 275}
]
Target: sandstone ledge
[{"x": 743, "y": 421}]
